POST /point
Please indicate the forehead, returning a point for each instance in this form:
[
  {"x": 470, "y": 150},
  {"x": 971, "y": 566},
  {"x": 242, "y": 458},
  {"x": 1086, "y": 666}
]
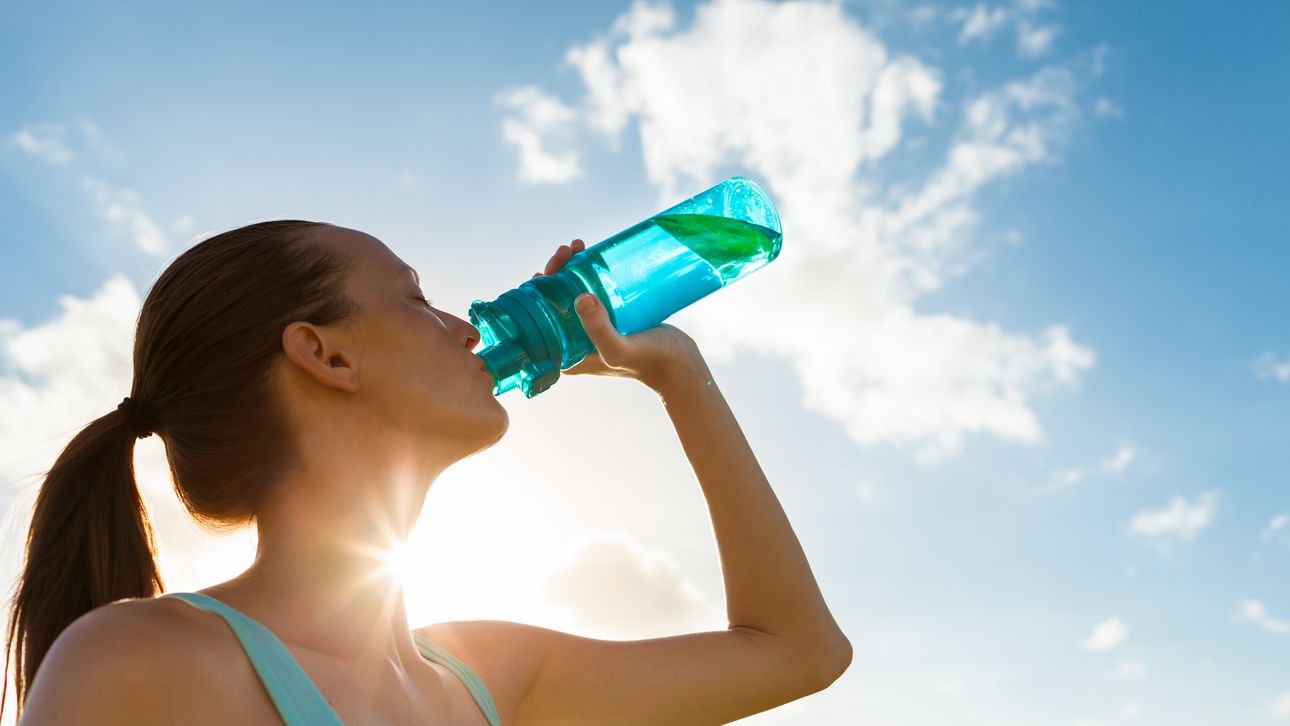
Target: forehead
[{"x": 372, "y": 261}]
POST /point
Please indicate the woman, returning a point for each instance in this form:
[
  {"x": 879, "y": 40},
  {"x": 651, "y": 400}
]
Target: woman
[{"x": 301, "y": 382}]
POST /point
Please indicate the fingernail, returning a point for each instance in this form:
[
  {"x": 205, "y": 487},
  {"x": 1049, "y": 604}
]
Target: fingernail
[{"x": 585, "y": 302}]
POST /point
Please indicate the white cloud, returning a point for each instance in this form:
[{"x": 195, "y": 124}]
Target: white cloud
[
  {"x": 1035, "y": 40},
  {"x": 1101, "y": 54},
  {"x": 55, "y": 378},
  {"x": 1106, "y": 108},
  {"x": 619, "y": 588},
  {"x": 1127, "y": 668},
  {"x": 1131, "y": 710},
  {"x": 1268, "y": 368},
  {"x": 1276, "y": 524},
  {"x": 117, "y": 205},
  {"x": 1255, "y": 612},
  {"x": 1281, "y": 705},
  {"x": 979, "y": 22},
  {"x": 922, "y": 16},
  {"x": 1106, "y": 635},
  {"x": 537, "y": 117},
  {"x": 44, "y": 140},
  {"x": 867, "y": 492},
  {"x": 1181, "y": 520},
  {"x": 183, "y": 224},
  {"x": 859, "y": 252},
  {"x": 1119, "y": 461},
  {"x": 124, "y": 206},
  {"x": 1066, "y": 478}
]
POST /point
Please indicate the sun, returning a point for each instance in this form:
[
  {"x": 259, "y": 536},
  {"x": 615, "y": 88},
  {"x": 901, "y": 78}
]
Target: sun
[{"x": 396, "y": 563}]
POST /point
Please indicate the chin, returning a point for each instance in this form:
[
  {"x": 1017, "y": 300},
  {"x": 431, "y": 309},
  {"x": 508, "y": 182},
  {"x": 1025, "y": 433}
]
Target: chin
[
  {"x": 494, "y": 428},
  {"x": 504, "y": 424}
]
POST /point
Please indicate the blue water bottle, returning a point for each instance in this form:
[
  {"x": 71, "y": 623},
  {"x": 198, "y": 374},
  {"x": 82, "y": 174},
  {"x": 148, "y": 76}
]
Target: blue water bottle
[{"x": 641, "y": 275}]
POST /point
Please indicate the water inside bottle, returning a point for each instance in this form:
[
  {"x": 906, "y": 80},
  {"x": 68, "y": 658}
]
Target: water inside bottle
[{"x": 651, "y": 270}]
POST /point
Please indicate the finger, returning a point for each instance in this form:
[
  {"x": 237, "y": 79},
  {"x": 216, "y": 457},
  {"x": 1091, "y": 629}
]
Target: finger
[
  {"x": 557, "y": 260},
  {"x": 595, "y": 320}
]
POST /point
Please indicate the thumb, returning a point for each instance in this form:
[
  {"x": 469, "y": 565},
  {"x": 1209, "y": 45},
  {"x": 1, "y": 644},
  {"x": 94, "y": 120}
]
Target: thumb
[{"x": 595, "y": 320}]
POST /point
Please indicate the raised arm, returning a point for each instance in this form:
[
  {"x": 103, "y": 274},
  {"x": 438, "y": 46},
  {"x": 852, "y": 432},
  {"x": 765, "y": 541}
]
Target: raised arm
[
  {"x": 769, "y": 585},
  {"x": 781, "y": 642}
]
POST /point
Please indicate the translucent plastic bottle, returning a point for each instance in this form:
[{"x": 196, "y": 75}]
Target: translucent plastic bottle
[{"x": 641, "y": 275}]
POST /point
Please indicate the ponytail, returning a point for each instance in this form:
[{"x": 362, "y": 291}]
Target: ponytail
[
  {"x": 89, "y": 544},
  {"x": 206, "y": 349}
]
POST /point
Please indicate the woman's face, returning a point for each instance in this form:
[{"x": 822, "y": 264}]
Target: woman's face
[{"x": 414, "y": 364}]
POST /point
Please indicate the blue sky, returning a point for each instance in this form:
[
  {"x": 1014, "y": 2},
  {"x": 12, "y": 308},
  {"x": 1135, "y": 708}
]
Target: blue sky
[{"x": 1020, "y": 376}]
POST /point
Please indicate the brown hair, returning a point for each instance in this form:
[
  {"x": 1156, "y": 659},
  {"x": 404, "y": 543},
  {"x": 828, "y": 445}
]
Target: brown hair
[{"x": 207, "y": 343}]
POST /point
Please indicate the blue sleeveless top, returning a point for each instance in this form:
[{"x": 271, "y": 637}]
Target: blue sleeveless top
[{"x": 296, "y": 697}]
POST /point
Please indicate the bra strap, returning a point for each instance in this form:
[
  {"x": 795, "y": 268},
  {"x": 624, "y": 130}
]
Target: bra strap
[{"x": 297, "y": 699}]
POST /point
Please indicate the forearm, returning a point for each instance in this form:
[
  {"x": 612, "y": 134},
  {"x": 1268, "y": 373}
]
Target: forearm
[{"x": 769, "y": 584}]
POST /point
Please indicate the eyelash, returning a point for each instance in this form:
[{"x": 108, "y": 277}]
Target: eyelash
[{"x": 428, "y": 303}]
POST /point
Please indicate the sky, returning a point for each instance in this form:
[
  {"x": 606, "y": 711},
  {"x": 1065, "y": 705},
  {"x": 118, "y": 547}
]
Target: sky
[{"x": 1019, "y": 376}]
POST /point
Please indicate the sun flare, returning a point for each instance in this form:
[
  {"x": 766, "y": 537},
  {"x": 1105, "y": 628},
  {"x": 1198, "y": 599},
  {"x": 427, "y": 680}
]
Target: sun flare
[{"x": 395, "y": 563}]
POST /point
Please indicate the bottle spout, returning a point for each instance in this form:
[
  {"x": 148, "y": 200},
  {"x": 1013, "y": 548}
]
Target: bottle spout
[
  {"x": 504, "y": 361},
  {"x": 519, "y": 343}
]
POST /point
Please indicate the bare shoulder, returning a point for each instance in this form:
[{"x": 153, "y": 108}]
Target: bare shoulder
[
  {"x": 500, "y": 652},
  {"x": 135, "y": 661}
]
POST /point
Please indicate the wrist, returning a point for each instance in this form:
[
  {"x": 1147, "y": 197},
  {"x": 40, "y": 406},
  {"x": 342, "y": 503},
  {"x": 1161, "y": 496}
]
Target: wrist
[{"x": 684, "y": 375}]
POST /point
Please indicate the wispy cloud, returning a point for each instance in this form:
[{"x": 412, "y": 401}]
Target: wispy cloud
[
  {"x": 124, "y": 206},
  {"x": 537, "y": 118},
  {"x": 118, "y": 205},
  {"x": 1182, "y": 520},
  {"x": 980, "y": 22},
  {"x": 618, "y": 587},
  {"x": 45, "y": 140},
  {"x": 1255, "y": 612},
  {"x": 1035, "y": 40},
  {"x": 1106, "y": 108},
  {"x": 1269, "y": 367},
  {"x": 1280, "y": 706},
  {"x": 1119, "y": 461},
  {"x": 1106, "y": 635},
  {"x": 1127, "y": 668},
  {"x": 1066, "y": 478},
  {"x": 1276, "y": 524},
  {"x": 860, "y": 250}
]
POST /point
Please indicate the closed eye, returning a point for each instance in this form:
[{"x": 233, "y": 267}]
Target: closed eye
[{"x": 428, "y": 303}]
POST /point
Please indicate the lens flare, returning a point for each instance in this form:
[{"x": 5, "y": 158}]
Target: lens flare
[{"x": 396, "y": 564}]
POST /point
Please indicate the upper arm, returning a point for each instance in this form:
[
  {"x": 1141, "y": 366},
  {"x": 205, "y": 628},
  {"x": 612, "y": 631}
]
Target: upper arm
[
  {"x": 114, "y": 665},
  {"x": 697, "y": 678}
]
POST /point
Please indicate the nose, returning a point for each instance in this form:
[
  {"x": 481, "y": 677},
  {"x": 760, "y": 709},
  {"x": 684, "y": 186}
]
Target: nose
[{"x": 467, "y": 333}]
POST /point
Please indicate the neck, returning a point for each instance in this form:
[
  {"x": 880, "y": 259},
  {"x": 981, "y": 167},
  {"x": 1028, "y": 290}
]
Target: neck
[
  {"x": 338, "y": 598},
  {"x": 321, "y": 577}
]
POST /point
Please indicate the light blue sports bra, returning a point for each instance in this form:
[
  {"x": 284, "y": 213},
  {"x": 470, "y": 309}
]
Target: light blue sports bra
[{"x": 297, "y": 699}]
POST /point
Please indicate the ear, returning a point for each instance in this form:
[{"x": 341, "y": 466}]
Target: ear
[{"x": 320, "y": 354}]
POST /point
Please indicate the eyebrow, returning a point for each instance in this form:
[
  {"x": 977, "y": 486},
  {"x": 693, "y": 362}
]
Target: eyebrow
[{"x": 405, "y": 268}]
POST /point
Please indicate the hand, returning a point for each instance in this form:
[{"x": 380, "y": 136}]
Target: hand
[{"x": 654, "y": 357}]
